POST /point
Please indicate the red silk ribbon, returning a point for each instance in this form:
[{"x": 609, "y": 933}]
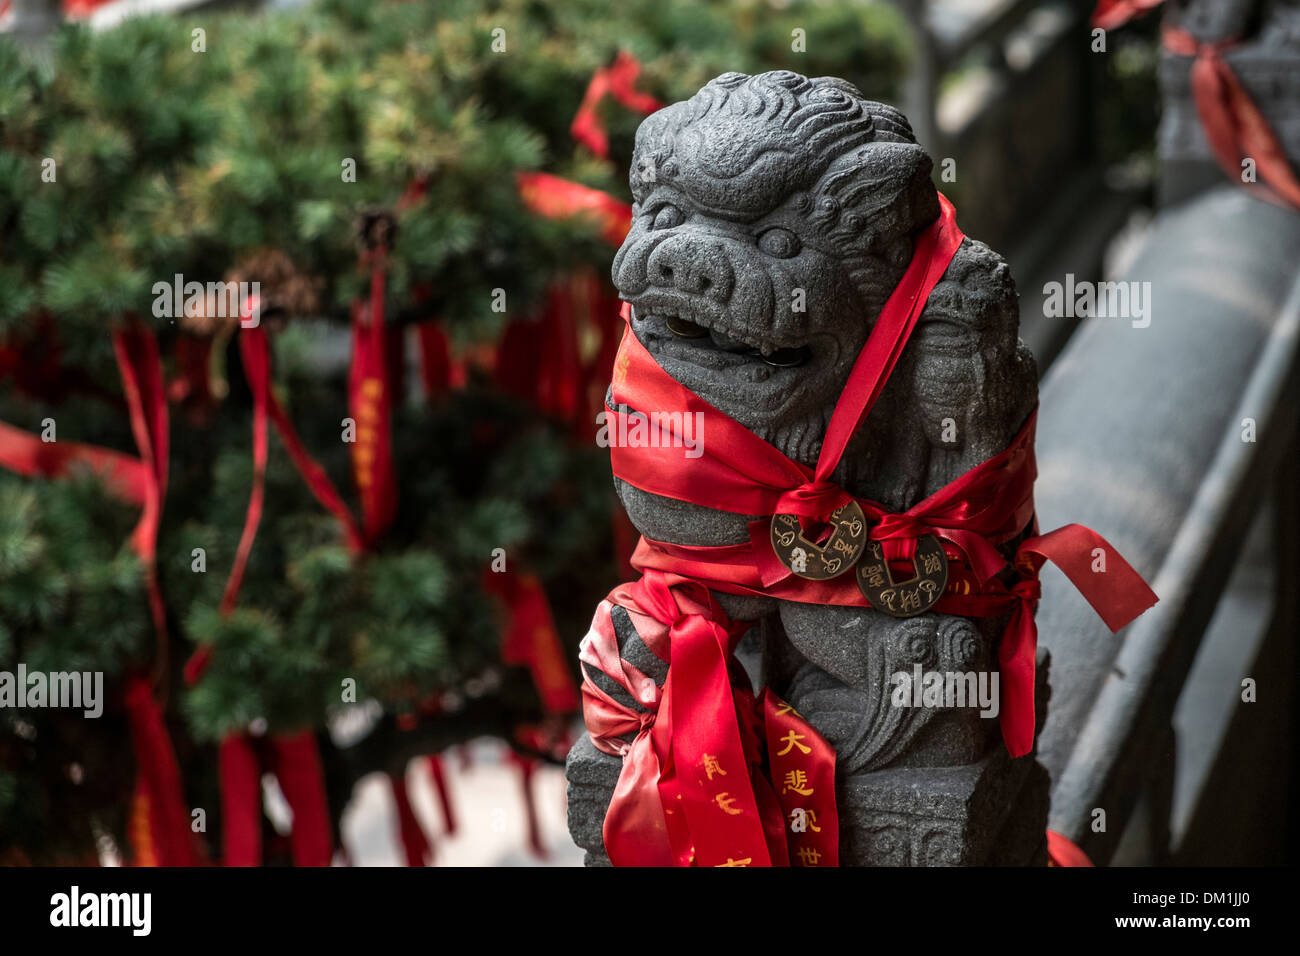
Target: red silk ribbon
[
  {"x": 295, "y": 762},
  {"x": 140, "y": 368},
  {"x": 167, "y": 817},
  {"x": 415, "y": 845},
  {"x": 617, "y": 80},
  {"x": 370, "y": 401},
  {"x": 582, "y": 297},
  {"x": 255, "y": 353},
  {"x": 530, "y": 639},
  {"x": 987, "y": 507},
  {"x": 1110, "y": 14},
  {"x": 439, "y": 774},
  {"x": 313, "y": 475},
  {"x": 1062, "y": 851},
  {"x": 26, "y": 454},
  {"x": 160, "y": 821},
  {"x": 692, "y": 790},
  {"x": 554, "y": 197},
  {"x": 1234, "y": 126},
  {"x": 165, "y": 829},
  {"x": 440, "y": 372},
  {"x": 740, "y": 471},
  {"x": 240, "y": 773}
]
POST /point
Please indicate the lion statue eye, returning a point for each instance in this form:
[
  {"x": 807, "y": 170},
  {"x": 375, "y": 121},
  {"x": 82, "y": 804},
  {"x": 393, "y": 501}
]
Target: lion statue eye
[
  {"x": 668, "y": 216},
  {"x": 779, "y": 243}
]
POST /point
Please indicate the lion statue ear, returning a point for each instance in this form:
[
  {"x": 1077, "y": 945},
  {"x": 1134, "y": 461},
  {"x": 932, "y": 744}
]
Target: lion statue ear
[{"x": 876, "y": 193}]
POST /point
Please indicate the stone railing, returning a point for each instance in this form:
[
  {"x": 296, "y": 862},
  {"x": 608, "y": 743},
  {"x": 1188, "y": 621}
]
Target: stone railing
[
  {"x": 1179, "y": 440},
  {"x": 1174, "y": 439},
  {"x": 1004, "y": 89}
]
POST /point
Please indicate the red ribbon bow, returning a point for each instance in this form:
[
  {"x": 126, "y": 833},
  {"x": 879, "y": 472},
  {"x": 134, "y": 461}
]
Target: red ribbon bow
[{"x": 692, "y": 789}]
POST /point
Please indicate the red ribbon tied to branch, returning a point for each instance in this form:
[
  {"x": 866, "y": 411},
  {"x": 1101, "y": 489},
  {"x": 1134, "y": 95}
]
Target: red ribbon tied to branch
[
  {"x": 255, "y": 352},
  {"x": 159, "y": 827},
  {"x": 161, "y": 793},
  {"x": 617, "y": 80},
  {"x": 555, "y": 197},
  {"x": 370, "y": 400},
  {"x": 294, "y": 757},
  {"x": 24, "y": 453}
]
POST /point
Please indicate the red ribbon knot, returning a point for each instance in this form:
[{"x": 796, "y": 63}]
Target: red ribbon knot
[
  {"x": 1235, "y": 127},
  {"x": 1181, "y": 43},
  {"x": 812, "y": 499},
  {"x": 1029, "y": 590}
]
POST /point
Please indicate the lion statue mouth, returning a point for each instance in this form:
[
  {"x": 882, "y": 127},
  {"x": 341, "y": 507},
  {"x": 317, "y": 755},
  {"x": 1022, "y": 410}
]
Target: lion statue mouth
[{"x": 726, "y": 366}]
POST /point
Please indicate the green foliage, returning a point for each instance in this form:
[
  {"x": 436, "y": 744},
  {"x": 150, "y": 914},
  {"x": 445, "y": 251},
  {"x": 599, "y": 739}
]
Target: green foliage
[
  {"x": 72, "y": 596},
  {"x": 1129, "y": 105},
  {"x": 171, "y": 161}
]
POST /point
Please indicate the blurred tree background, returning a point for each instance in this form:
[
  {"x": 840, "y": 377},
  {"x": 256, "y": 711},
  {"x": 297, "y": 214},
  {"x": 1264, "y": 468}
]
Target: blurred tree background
[{"x": 229, "y": 162}]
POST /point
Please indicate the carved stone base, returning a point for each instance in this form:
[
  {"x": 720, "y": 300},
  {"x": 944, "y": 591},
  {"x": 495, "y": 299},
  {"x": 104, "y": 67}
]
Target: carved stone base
[
  {"x": 591, "y": 775},
  {"x": 991, "y": 813}
]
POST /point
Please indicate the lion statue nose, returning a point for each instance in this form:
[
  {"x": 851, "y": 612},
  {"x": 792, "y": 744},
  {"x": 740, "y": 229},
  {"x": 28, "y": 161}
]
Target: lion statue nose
[{"x": 694, "y": 265}]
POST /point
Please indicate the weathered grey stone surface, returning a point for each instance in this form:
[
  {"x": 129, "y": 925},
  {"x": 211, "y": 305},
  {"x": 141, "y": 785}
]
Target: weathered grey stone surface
[
  {"x": 1129, "y": 426},
  {"x": 752, "y": 189}
]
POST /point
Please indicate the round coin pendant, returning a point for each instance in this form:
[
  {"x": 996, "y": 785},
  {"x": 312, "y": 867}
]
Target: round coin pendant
[
  {"x": 821, "y": 562},
  {"x": 904, "y": 598}
]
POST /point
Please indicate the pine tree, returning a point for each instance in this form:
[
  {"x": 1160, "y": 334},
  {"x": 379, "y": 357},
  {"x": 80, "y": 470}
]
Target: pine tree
[{"x": 233, "y": 162}]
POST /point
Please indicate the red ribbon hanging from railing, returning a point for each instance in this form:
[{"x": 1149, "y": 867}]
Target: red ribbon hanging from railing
[
  {"x": 415, "y": 845},
  {"x": 1110, "y": 14},
  {"x": 1235, "y": 128}
]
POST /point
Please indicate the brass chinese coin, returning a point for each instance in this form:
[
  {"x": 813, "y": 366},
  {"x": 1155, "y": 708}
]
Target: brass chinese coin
[
  {"x": 821, "y": 562},
  {"x": 906, "y": 598}
]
